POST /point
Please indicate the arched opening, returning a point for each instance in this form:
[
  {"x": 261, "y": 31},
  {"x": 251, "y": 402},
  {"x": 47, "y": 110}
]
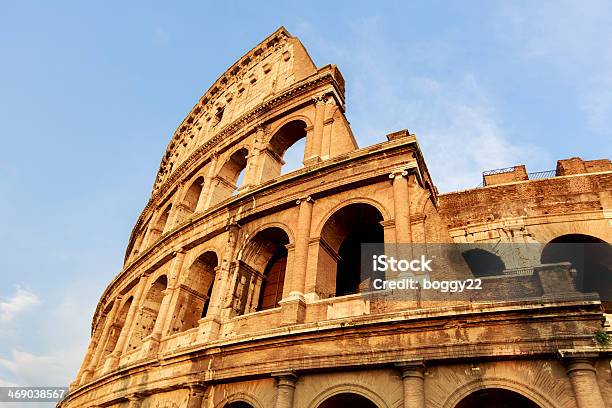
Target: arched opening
[
  {"x": 238, "y": 404},
  {"x": 342, "y": 237},
  {"x": 483, "y": 263},
  {"x": 347, "y": 399},
  {"x": 273, "y": 281},
  {"x": 285, "y": 151},
  {"x": 230, "y": 177},
  {"x": 190, "y": 202},
  {"x": 261, "y": 272},
  {"x": 591, "y": 257},
  {"x": 194, "y": 294},
  {"x": 147, "y": 315},
  {"x": 160, "y": 225},
  {"x": 139, "y": 244},
  {"x": 496, "y": 398},
  {"x": 116, "y": 329}
]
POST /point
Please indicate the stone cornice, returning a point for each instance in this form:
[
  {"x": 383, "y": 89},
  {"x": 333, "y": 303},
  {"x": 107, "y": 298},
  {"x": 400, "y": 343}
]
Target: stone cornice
[{"x": 517, "y": 313}]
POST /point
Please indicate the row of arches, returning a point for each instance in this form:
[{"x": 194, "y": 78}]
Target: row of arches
[
  {"x": 483, "y": 398},
  {"x": 261, "y": 268},
  {"x": 590, "y": 257},
  {"x": 283, "y": 152},
  {"x": 259, "y": 277}
]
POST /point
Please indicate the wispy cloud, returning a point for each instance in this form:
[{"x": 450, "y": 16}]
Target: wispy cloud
[
  {"x": 573, "y": 40},
  {"x": 34, "y": 370},
  {"x": 21, "y": 301},
  {"x": 49, "y": 349},
  {"x": 456, "y": 122}
]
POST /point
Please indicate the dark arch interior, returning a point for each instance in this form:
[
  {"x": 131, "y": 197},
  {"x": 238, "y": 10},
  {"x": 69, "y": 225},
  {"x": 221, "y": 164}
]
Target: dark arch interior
[
  {"x": 274, "y": 279},
  {"x": 347, "y": 400},
  {"x": 239, "y": 404},
  {"x": 345, "y": 232},
  {"x": 483, "y": 263},
  {"x": 266, "y": 253},
  {"x": 496, "y": 398},
  {"x": 590, "y": 257},
  {"x": 203, "y": 281}
]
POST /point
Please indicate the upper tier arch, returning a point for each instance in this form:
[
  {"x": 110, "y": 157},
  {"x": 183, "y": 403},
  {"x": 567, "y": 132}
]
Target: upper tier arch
[{"x": 276, "y": 63}]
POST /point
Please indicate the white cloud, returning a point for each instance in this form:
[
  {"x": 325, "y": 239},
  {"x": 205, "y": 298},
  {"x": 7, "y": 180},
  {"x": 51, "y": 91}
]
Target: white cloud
[
  {"x": 36, "y": 370},
  {"x": 48, "y": 349},
  {"x": 21, "y": 301}
]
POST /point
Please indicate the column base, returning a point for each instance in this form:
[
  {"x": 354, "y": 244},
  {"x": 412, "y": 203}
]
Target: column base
[
  {"x": 150, "y": 347},
  {"x": 208, "y": 328},
  {"x": 111, "y": 362},
  {"x": 293, "y": 309},
  {"x": 311, "y": 160}
]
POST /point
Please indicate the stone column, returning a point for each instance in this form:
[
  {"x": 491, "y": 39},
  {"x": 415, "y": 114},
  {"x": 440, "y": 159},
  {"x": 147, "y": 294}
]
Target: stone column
[
  {"x": 413, "y": 379},
  {"x": 308, "y": 148},
  {"x": 401, "y": 204},
  {"x": 197, "y": 395},
  {"x": 108, "y": 324},
  {"x": 135, "y": 400},
  {"x": 252, "y": 173},
  {"x": 302, "y": 238},
  {"x": 126, "y": 332},
  {"x": 221, "y": 298},
  {"x": 285, "y": 389},
  {"x": 317, "y": 134},
  {"x": 582, "y": 374},
  {"x": 160, "y": 321},
  {"x": 206, "y": 187},
  {"x": 176, "y": 211}
]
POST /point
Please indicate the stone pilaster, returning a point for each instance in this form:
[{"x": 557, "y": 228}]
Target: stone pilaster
[
  {"x": 135, "y": 400},
  {"x": 317, "y": 133},
  {"x": 152, "y": 343},
  {"x": 413, "y": 379},
  {"x": 198, "y": 395},
  {"x": 205, "y": 194},
  {"x": 581, "y": 371},
  {"x": 285, "y": 389},
  {"x": 126, "y": 332},
  {"x": 302, "y": 238},
  {"x": 401, "y": 204}
]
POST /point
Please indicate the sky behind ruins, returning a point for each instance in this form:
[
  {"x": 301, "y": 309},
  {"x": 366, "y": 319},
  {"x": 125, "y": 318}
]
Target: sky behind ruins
[{"x": 91, "y": 94}]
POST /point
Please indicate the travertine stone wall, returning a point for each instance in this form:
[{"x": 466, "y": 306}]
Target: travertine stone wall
[{"x": 181, "y": 325}]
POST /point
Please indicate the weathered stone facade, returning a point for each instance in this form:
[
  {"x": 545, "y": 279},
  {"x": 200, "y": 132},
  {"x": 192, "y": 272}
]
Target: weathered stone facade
[{"x": 230, "y": 296}]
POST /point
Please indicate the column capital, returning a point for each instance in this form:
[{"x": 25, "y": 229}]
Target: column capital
[
  {"x": 286, "y": 378},
  {"x": 179, "y": 252},
  {"x": 578, "y": 360},
  {"x": 398, "y": 173},
  {"x": 197, "y": 388},
  {"x": 307, "y": 199},
  {"x": 412, "y": 368},
  {"x": 320, "y": 99}
]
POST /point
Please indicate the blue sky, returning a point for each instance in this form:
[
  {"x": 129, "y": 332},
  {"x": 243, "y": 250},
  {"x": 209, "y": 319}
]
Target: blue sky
[{"x": 90, "y": 95}]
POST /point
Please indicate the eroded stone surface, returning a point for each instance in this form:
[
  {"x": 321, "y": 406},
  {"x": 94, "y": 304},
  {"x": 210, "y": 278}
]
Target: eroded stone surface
[{"x": 228, "y": 292}]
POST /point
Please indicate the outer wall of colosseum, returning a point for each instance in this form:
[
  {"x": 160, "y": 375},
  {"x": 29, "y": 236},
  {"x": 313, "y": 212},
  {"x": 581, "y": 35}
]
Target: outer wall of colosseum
[{"x": 239, "y": 290}]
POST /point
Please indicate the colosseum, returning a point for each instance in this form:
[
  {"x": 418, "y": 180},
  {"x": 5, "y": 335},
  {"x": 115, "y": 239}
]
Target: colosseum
[{"x": 242, "y": 285}]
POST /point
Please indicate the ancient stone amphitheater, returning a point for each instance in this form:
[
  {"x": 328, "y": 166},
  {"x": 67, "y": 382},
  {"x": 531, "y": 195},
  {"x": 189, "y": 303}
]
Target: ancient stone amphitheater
[{"x": 241, "y": 289}]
